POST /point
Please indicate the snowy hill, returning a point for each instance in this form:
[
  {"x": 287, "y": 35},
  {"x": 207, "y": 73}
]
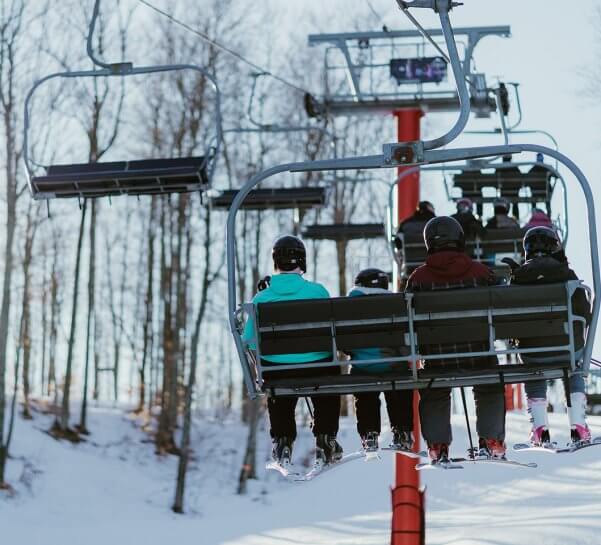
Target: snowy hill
[{"x": 113, "y": 489}]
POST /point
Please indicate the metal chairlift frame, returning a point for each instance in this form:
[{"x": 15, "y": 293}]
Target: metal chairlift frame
[
  {"x": 120, "y": 69},
  {"x": 361, "y": 101},
  {"x": 390, "y": 222},
  {"x": 402, "y": 155}
]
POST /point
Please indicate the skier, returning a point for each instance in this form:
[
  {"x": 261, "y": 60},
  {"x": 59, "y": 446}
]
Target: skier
[
  {"x": 399, "y": 403},
  {"x": 471, "y": 226},
  {"x": 546, "y": 263},
  {"x": 447, "y": 266},
  {"x": 501, "y": 219},
  {"x": 287, "y": 283},
  {"x": 416, "y": 222}
]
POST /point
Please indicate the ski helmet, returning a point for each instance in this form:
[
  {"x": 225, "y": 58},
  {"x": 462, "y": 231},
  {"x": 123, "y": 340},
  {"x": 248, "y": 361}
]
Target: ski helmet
[
  {"x": 444, "y": 233},
  {"x": 372, "y": 278},
  {"x": 464, "y": 205},
  {"x": 289, "y": 253},
  {"x": 502, "y": 206},
  {"x": 426, "y": 207},
  {"x": 541, "y": 241}
]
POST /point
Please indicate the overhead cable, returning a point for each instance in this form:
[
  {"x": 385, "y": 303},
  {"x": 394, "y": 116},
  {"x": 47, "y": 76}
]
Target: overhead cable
[{"x": 222, "y": 47}]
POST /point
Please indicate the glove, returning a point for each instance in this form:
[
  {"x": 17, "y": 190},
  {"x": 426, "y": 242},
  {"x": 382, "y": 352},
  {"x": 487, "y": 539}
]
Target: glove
[{"x": 263, "y": 283}]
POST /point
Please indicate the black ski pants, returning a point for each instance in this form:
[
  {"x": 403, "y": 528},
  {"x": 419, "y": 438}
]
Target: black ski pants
[
  {"x": 326, "y": 409},
  {"x": 399, "y": 405}
]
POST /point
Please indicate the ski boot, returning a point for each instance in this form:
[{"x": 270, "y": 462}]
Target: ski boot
[
  {"x": 401, "y": 440},
  {"x": 282, "y": 450},
  {"x": 327, "y": 449},
  {"x": 491, "y": 448},
  {"x": 369, "y": 441},
  {"x": 438, "y": 453},
  {"x": 537, "y": 408},
  {"x": 579, "y": 431},
  {"x": 540, "y": 437}
]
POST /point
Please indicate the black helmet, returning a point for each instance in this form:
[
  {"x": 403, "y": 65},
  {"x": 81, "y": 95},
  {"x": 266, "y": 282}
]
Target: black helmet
[
  {"x": 372, "y": 278},
  {"x": 444, "y": 233},
  {"x": 541, "y": 241},
  {"x": 426, "y": 207},
  {"x": 289, "y": 253},
  {"x": 502, "y": 206}
]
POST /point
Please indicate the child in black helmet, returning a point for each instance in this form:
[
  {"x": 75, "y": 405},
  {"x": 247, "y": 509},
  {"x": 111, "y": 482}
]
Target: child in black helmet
[{"x": 399, "y": 403}]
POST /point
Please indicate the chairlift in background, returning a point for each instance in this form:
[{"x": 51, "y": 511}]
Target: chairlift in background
[{"x": 139, "y": 177}]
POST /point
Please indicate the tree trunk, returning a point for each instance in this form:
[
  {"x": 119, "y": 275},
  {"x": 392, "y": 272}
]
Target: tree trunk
[
  {"x": 63, "y": 425},
  {"x": 178, "y": 504},
  {"x": 82, "y": 427},
  {"x": 249, "y": 464}
]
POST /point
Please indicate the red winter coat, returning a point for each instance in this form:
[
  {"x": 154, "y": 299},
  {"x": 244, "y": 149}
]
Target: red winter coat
[
  {"x": 449, "y": 270},
  {"x": 452, "y": 270}
]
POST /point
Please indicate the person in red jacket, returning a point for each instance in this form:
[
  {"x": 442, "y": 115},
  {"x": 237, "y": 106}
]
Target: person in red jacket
[{"x": 448, "y": 267}]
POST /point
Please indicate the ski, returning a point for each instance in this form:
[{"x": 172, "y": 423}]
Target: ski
[
  {"x": 286, "y": 469},
  {"x": 553, "y": 448},
  {"x": 319, "y": 468},
  {"x": 372, "y": 455},
  {"x": 411, "y": 454},
  {"x": 450, "y": 464},
  {"x": 500, "y": 461}
]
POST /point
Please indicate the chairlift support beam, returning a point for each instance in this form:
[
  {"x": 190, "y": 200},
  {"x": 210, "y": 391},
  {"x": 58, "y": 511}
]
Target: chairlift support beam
[{"x": 359, "y": 101}]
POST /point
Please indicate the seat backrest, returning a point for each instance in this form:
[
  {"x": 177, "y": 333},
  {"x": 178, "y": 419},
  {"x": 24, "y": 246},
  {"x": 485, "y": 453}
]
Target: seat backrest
[{"x": 294, "y": 327}]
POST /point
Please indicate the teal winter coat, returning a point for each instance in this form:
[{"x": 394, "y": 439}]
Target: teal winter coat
[{"x": 288, "y": 287}]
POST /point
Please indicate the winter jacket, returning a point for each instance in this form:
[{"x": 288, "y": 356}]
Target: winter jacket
[
  {"x": 471, "y": 226},
  {"x": 368, "y": 353},
  {"x": 453, "y": 270},
  {"x": 415, "y": 224},
  {"x": 447, "y": 270},
  {"x": 502, "y": 221},
  {"x": 550, "y": 270},
  {"x": 287, "y": 287}
]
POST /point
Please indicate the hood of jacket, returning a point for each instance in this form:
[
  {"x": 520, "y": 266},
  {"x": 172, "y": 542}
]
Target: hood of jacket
[
  {"x": 286, "y": 283},
  {"x": 449, "y": 264}
]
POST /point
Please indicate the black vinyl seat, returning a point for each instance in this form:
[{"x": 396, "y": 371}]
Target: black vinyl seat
[
  {"x": 508, "y": 182},
  {"x": 275, "y": 199},
  {"x": 344, "y": 231},
  {"x": 452, "y": 331},
  {"x": 144, "y": 177}
]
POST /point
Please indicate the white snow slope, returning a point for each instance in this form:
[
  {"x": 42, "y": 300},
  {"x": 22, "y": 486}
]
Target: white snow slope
[{"x": 113, "y": 490}]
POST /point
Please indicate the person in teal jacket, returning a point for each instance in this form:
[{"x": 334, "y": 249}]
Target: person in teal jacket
[
  {"x": 287, "y": 283},
  {"x": 399, "y": 403}
]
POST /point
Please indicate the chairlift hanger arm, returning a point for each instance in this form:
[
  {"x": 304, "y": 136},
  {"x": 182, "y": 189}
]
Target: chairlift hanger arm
[{"x": 108, "y": 72}]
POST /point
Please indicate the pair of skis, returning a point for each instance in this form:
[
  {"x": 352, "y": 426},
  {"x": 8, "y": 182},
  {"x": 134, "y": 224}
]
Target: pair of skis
[
  {"x": 287, "y": 469},
  {"x": 457, "y": 463},
  {"x": 554, "y": 448}
]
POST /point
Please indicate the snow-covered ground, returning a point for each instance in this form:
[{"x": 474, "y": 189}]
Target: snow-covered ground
[{"x": 113, "y": 490}]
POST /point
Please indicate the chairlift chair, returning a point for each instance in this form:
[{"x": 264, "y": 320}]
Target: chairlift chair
[
  {"x": 301, "y": 198},
  {"x": 488, "y": 314},
  {"x": 139, "y": 177},
  {"x": 344, "y": 231}
]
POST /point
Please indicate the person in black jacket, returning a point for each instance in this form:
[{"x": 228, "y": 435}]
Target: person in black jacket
[
  {"x": 471, "y": 226},
  {"x": 546, "y": 263}
]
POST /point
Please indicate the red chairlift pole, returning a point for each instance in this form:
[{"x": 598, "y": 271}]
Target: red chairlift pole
[{"x": 408, "y": 524}]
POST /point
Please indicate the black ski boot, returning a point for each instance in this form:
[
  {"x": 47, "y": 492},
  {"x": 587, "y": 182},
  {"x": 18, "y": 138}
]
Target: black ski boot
[
  {"x": 282, "y": 450},
  {"x": 369, "y": 441},
  {"x": 327, "y": 449},
  {"x": 401, "y": 440}
]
